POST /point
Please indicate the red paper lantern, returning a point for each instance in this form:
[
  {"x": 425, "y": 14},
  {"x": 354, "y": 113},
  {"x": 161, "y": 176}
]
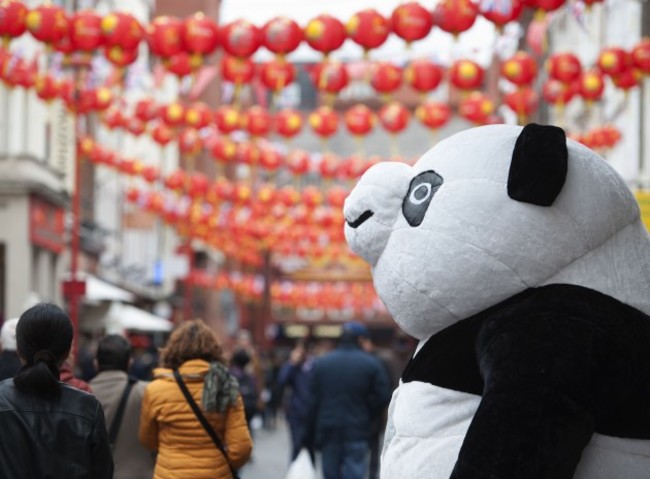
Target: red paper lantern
[
  {"x": 423, "y": 75},
  {"x": 360, "y": 120},
  {"x": 298, "y": 162},
  {"x": 47, "y": 23},
  {"x": 237, "y": 70},
  {"x": 277, "y": 74},
  {"x": 271, "y": 159},
  {"x": 325, "y": 34},
  {"x": 86, "y": 31},
  {"x": 119, "y": 57},
  {"x": 545, "y": 5},
  {"x": 466, "y": 75},
  {"x": 172, "y": 114},
  {"x": 501, "y": 14},
  {"x": 324, "y": 121},
  {"x": 628, "y": 79},
  {"x": 288, "y": 123},
  {"x": 103, "y": 98},
  {"x": 189, "y": 142},
  {"x": 162, "y": 134},
  {"x": 641, "y": 55},
  {"x": 281, "y": 35},
  {"x": 13, "y": 14},
  {"x": 241, "y": 38},
  {"x": 368, "y": 28},
  {"x": 523, "y": 102},
  {"x": 312, "y": 196},
  {"x": 336, "y": 196},
  {"x": 411, "y": 21},
  {"x": 227, "y": 119},
  {"x": 386, "y": 77},
  {"x": 223, "y": 149},
  {"x": 248, "y": 153},
  {"x": 476, "y": 108},
  {"x": 590, "y": 3},
  {"x": 198, "y": 115},
  {"x": 557, "y": 93},
  {"x": 200, "y": 36},
  {"x": 288, "y": 196},
  {"x": 256, "y": 121},
  {"x": 122, "y": 31},
  {"x": 198, "y": 185},
  {"x": 520, "y": 69},
  {"x": 135, "y": 126},
  {"x": 113, "y": 118},
  {"x": 591, "y": 85},
  {"x": 330, "y": 76},
  {"x": 165, "y": 36},
  {"x": 329, "y": 165},
  {"x": 394, "y": 117},
  {"x": 614, "y": 61},
  {"x": 146, "y": 109},
  {"x": 181, "y": 64},
  {"x": 455, "y": 16},
  {"x": 433, "y": 114},
  {"x": 564, "y": 67},
  {"x": 47, "y": 87}
]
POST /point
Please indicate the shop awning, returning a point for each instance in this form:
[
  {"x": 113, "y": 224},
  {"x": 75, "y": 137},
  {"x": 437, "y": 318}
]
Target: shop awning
[
  {"x": 100, "y": 290},
  {"x": 123, "y": 317}
]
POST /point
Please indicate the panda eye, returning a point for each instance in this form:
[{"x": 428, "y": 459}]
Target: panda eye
[{"x": 421, "y": 191}]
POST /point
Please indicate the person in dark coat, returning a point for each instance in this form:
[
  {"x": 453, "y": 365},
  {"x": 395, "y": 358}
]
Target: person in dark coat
[
  {"x": 49, "y": 429},
  {"x": 348, "y": 388},
  {"x": 9, "y": 360}
]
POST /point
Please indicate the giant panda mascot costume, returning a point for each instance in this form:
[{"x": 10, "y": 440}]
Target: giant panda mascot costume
[{"x": 519, "y": 261}]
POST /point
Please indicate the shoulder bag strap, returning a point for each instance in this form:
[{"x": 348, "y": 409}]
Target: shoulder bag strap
[
  {"x": 204, "y": 422},
  {"x": 117, "y": 420}
]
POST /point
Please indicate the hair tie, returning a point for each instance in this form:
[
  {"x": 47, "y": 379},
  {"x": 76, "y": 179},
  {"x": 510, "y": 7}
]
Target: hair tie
[{"x": 45, "y": 356}]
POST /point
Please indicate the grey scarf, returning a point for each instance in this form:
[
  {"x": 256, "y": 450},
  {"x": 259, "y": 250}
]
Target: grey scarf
[{"x": 220, "y": 389}]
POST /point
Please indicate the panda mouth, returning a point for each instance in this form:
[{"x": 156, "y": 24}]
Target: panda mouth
[{"x": 360, "y": 220}]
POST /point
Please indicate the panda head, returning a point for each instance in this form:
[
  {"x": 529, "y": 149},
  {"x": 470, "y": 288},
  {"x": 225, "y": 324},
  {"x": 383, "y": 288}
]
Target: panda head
[{"x": 484, "y": 215}]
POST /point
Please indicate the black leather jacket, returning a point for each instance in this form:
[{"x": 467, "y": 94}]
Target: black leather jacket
[{"x": 61, "y": 439}]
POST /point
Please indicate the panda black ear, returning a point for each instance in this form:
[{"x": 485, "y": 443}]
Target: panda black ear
[{"x": 539, "y": 165}]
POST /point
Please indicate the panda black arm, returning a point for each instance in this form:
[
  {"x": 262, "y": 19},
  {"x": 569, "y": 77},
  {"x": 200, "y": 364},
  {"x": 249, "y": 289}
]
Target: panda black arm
[{"x": 536, "y": 416}]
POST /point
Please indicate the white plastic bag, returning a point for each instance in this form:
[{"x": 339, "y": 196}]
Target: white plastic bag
[{"x": 302, "y": 467}]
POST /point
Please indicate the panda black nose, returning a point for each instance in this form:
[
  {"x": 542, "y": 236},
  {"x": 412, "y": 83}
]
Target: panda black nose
[{"x": 360, "y": 220}]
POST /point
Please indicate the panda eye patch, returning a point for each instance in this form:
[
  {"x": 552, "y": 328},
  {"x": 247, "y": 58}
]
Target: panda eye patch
[{"x": 422, "y": 189}]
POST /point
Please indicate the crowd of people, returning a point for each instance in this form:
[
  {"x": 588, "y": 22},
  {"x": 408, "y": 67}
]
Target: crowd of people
[{"x": 196, "y": 413}]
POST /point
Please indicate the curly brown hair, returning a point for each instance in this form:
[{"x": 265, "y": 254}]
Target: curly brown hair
[{"x": 191, "y": 340}]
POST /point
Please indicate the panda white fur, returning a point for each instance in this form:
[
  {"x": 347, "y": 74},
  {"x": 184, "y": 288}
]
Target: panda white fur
[{"x": 519, "y": 261}]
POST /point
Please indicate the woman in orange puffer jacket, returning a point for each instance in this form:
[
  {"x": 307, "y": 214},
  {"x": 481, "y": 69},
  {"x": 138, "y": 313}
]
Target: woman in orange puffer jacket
[{"x": 168, "y": 424}]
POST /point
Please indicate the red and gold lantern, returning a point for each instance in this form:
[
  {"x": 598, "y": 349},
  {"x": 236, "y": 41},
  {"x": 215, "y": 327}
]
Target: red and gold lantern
[
  {"x": 411, "y": 21},
  {"x": 237, "y": 70},
  {"x": 227, "y": 119},
  {"x": 198, "y": 115},
  {"x": 641, "y": 55},
  {"x": 466, "y": 75},
  {"x": 165, "y": 36},
  {"x": 288, "y": 123},
  {"x": 162, "y": 134},
  {"x": 241, "y": 38},
  {"x": 360, "y": 120},
  {"x": 628, "y": 79},
  {"x": 613, "y": 61},
  {"x": 277, "y": 74},
  {"x": 181, "y": 64},
  {"x": 86, "y": 31},
  {"x": 329, "y": 166},
  {"x": 520, "y": 69},
  {"x": 325, "y": 34},
  {"x": 324, "y": 121},
  {"x": 200, "y": 36},
  {"x": 501, "y": 14},
  {"x": 564, "y": 67},
  {"x": 119, "y": 57},
  {"x": 173, "y": 114},
  {"x": 256, "y": 121},
  {"x": 591, "y": 85},
  {"x": 281, "y": 35},
  {"x": 271, "y": 159},
  {"x": 476, "y": 108},
  {"x": 146, "y": 109},
  {"x": 336, "y": 196},
  {"x": 394, "y": 117},
  {"x": 103, "y": 98},
  {"x": 189, "y": 142},
  {"x": 47, "y": 87},
  {"x": 455, "y": 16},
  {"x": 298, "y": 163},
  {"x": 224, "y": 149},
  {"x": 13, "y": 15},
  {"x": 330, "y": 76},
  {"x": 423, "y": 75},
  {"x": 557, "y": 93},
  {"x": 386, "y": 77},
  {"x": 368, "y": 29},
  {"x": 433, "y": 114},
  {"x": 113, "y": 118},
  {"x": 135, "y": 126},
  {"x": 249, "y": 153},
  {"x": 48, "y": 23},
  {"x": 523, "y": 102},
  {"x": 545, "y": 6}
]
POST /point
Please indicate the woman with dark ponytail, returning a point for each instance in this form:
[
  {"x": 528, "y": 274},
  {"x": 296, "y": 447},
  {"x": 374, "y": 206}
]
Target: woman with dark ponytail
[{"x": 49, "y": 429}]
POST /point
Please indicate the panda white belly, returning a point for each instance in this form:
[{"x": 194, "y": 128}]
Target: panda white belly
[{"x": 427, "y": 425}]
